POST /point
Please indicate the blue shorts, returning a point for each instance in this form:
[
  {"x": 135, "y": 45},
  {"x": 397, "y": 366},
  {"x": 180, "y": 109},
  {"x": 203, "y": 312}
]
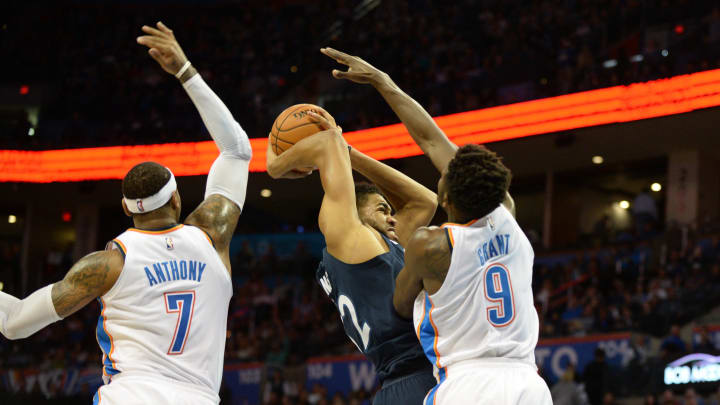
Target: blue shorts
[{"x": 407, "y": 390}]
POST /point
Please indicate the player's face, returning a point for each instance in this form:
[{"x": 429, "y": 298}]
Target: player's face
[{"x": 377, "y": 213}]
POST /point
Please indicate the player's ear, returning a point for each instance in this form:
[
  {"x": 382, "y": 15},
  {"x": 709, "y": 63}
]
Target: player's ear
[
  {"x": 125, "y": 208},
  {"x": 175, "y": 201}
]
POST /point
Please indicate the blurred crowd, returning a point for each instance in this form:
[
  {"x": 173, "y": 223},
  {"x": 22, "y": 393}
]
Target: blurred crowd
[
  {"x": 644, "y": 286},
  {"x": 100, "y": 88}
]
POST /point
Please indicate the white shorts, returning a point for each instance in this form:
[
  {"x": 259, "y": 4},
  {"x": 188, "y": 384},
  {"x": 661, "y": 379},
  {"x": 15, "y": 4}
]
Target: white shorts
[
  {"x": 142, "y": 390},
  {"x": 490, "y": 382}
]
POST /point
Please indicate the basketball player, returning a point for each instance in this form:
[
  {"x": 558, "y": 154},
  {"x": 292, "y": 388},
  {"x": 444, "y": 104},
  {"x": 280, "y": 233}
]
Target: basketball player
[
  {"x": 163, "y": 287},
  {"x": 364, "y": 253},
  {"x": 467, "y": 287}
]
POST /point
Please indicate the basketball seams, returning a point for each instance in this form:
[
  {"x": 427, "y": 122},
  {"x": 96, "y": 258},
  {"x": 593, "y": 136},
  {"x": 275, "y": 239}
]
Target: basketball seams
[
  {"x": 299, "y": 126},
  {"x": 278, "y": 144},
  {"x": 288, "y": 116},
  {"x": 277, "y": 127}
]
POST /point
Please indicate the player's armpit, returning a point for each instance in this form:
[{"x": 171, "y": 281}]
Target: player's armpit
[
  {"x": 89, "y": 278},
  {"x": 218, "y": 216}
]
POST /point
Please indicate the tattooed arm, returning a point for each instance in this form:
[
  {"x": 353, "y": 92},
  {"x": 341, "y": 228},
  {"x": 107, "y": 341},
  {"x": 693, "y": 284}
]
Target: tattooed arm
[
  {"x": 427, "y": 260},
  {"x": 89, "y": 278},
  {"x": 218, "y": 217}
]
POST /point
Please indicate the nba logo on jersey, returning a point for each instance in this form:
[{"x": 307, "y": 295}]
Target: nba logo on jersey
[
  {"x": 169, "y": 243},
  {"x": 491, "y": 223},
  {"x": 140, "y": 206}
]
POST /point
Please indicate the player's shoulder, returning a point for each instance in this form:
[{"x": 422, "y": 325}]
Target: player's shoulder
[{"x": 428, "y": 240}]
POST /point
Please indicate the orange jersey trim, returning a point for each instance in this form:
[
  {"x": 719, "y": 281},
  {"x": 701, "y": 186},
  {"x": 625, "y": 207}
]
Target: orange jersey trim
[
  {"x": 174, "y": 228},
  {"x": 121, "y": 245},
  {"x": 454, "y": 224}
]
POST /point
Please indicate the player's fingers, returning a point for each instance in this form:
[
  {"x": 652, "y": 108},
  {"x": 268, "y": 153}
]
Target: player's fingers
[
  {"x": 339, "y": 74},
  {"x": 164, "y": 28},
  {"x": 153, "y": 31},
  {"x": 338, "y": 56},
  {"x": 320, "y": 120},
  {"x": 325, "y": 115},
  {"x": 154, "y": 42}
]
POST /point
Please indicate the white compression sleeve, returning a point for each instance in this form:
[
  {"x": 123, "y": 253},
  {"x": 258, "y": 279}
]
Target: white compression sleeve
[
  {"x": 228, "y": 177},
  {"x": 225, "y": 131},
  {"x": 229, "y": 173},
  {"x": 21, "y": 318}
]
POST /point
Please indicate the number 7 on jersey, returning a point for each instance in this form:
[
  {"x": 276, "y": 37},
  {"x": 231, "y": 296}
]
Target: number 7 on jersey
[{"x": 182, "y": 303}]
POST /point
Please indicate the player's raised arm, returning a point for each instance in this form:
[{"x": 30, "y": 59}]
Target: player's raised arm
[
  {"x": 423, "y": 129},
  {"x": 89, "y": 278},
  {"x": 345, "y": 236},
  {"x": 227, "y": 181},
  {"x": 414, "y": 204}
]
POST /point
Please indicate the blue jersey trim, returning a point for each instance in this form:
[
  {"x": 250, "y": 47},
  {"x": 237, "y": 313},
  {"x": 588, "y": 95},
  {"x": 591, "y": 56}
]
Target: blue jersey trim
[{"x": 104, "y": 341}]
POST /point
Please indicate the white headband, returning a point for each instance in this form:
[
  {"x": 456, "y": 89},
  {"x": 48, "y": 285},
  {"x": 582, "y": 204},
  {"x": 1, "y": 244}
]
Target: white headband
[{"x": 155, "y": 201}]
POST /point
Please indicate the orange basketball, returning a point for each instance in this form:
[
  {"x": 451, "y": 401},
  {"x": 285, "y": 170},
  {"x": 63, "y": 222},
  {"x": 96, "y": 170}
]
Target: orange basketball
[{"x": 292, "y": 125}]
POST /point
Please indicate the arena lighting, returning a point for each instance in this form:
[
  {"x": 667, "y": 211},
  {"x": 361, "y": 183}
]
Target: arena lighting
[
  {"x": 610, "y": 63},
  {"x": 24, "y": 89},
  {"x": 624, "y": 204},
  {"x": 12, "y": 219},
  {"x": 638, "y": 101},
  {"x": 656, "y": 187},
  {"x": 597, "y": 159},
  {"x": 266, "y": 192}
]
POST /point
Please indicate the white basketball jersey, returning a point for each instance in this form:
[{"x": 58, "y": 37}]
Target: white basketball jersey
[
  {"x": 484, "y": 308},
  {"x": 166, "y": 316}
]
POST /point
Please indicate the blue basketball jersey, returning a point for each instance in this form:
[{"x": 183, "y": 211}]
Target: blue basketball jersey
[{"x": 363, "y": 294}]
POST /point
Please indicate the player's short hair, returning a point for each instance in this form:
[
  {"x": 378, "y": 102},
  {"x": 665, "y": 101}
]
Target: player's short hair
[
  {"x": 144, "y": 180},
  {"x": 363, "y": 190},
  {"x": 476, "y": 181}
]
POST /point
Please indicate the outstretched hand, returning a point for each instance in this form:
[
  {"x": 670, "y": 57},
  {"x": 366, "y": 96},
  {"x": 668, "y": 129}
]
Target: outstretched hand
[
  {"x": 163, "y": 47},
  {"x": 358, "y": 71}
]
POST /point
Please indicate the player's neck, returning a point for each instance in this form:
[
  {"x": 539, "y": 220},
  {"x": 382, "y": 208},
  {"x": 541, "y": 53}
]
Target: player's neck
[{"x": 154, "y": 223}]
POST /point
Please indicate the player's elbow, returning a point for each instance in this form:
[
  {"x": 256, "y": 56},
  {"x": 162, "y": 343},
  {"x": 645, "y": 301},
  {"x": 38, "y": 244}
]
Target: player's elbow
[{"x": 11, "y": 333}]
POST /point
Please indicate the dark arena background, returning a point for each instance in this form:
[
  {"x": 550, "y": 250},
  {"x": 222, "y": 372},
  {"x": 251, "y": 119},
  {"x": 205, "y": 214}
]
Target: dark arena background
[{"x": 607, "y": 113}]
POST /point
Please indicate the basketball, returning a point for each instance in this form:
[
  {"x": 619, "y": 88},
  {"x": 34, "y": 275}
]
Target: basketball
[{"x": 292, "y": 125}]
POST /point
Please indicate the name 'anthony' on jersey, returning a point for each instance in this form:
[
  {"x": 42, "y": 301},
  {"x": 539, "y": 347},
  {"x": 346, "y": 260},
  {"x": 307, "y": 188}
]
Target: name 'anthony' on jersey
[
  {"x": 168, "y": 309},
  {"x": 363, "y": 294}
]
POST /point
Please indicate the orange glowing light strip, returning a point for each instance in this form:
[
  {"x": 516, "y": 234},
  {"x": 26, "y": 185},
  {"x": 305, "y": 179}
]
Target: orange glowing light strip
[{"x": 590, "y": 108}]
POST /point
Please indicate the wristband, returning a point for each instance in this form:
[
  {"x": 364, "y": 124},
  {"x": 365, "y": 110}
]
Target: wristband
[{"x": 182, "y": 69}]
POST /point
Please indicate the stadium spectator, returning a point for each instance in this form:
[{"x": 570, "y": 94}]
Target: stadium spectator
[
  {"x": 595, "y": 378},
  {"x": 566, "y": 391},
  {"x": 673, "y": 345}
]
